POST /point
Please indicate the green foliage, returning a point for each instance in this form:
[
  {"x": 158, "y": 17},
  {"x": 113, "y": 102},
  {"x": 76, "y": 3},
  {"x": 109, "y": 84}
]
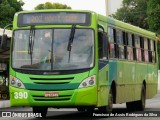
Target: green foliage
[
  {"x": 153, "y": 12},
  {"x": 8, "y": 9},
  {"x": 133, "y": 12},
  {"x": 49, "y": 5}
]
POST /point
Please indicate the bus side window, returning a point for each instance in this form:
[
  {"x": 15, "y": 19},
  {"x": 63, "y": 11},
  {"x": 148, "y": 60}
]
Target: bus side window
[
  {"x": 102, "y": 45},
  {"x": 112, "y": 43},
  {"x": 152, "y": 56},
  {"x": 138, "y": 48},
  {"x": 120, "y": 38},
  {"x": 146, "y": 50},
  {"x": 129, "y": 46},
  {"x": 142, "y": 48},
  {"x": 149, "y": 50},
  {"x": 134, "y": 47}
]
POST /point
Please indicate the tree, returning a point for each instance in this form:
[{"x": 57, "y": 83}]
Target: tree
[
  {"x": 153, "y": 12},
  {"x": 8, "y": 9},
  {"x": 49, "y": 5},
  {"x": 133, "y": 12}
]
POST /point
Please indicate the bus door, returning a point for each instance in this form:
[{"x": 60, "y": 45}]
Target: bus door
[{"x": 103, "y": 83}]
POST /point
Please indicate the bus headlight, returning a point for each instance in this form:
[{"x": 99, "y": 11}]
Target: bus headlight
[
  {"x": 16, "y": 82},
  {"x": 90, "y": 81}
]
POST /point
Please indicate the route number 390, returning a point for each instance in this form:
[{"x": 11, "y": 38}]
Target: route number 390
[{"x": 20, "y": 95}]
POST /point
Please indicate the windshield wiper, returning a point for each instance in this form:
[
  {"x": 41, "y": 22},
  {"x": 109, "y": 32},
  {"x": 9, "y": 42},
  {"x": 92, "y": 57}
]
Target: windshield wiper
[
  {"x": 70, "y": 42},
  {"x": 31, "y": 42}
]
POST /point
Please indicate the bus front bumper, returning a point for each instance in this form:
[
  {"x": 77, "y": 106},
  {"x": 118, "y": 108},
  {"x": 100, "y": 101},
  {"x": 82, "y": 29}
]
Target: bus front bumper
[{"x": 67, "y": 98}]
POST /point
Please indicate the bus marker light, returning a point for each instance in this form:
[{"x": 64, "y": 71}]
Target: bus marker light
[
  {"x": 92, "y": 78},
  {"x": 12, "y": 78}
]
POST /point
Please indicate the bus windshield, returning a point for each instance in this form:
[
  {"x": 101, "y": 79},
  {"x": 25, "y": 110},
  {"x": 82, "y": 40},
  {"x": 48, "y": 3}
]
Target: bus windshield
[{"x": 49, "y": 49}]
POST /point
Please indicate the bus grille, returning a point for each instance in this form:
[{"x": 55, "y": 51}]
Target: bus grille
[
  {"x": 52, "y": 80},
  {"x": 59, "y": 98}
]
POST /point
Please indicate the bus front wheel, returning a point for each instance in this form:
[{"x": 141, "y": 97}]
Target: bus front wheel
[
  {"x": 109, "y": 107},
  {"x": 40, "y": 110}
]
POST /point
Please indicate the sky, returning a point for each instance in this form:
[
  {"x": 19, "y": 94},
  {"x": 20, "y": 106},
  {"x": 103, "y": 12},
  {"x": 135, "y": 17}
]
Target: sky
[{"x": 94, "y": 5}]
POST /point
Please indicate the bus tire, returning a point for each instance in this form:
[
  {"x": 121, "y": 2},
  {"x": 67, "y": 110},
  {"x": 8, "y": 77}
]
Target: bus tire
[
  {"x": 90, "y": 109},
  {"x": 81, "y": 109},
  {"x": 142, "y": 102},
  {"x": 109, "y": 107},
  {"x": 131, "y": 106},
  {"x": 41, "y": 110}
]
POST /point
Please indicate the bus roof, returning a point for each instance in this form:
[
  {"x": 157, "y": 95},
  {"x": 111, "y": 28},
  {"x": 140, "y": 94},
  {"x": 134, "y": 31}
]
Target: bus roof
[
  {"x": 111, "y": 21},
  {"x": 54, "y": 10},
  {"x": 127, "y": 27}
]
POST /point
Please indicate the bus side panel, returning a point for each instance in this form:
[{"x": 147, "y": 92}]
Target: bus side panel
[
  {"x": 115, "y": 74},
  {"x": 103, "y": 86},
  {"x": 152, "y": 80},
  {"x": 141, "y": 73},
  {"x": 129, "y": 80},
  {"x": 120, "y": 83}
]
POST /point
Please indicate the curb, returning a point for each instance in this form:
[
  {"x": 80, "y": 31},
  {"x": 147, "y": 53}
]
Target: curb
[{"x": 4, "y": 103}]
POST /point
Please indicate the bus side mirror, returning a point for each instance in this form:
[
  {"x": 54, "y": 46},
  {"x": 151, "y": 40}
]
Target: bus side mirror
[{"x": 4, "y": 42}]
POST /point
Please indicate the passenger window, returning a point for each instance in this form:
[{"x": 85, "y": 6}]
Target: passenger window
[
  {"x": 111, "y": 35},
  {"x": 134, "y": 49},
  {"x": 145, "y": 44},
  {"x": 150, "y": 56},
  {"x": 146, "y": 55},
  {"x": 142, "y": 48},
  {"x": 137, "y": 41},
  {"x": 139, "y": 54},
  {"x": 119, "y": 37},
  {"x": 129, "y": 39},
  {"x": 153, "y": 57},
  {"x": 112, "y": 50},
  {"x": 130, "y": 53},
  {"x": 121, "y": 52},
  {"x": 152, "y": 45}
]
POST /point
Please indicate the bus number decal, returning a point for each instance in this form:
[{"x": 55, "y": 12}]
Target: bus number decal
[{"x": 20, "y": 95}]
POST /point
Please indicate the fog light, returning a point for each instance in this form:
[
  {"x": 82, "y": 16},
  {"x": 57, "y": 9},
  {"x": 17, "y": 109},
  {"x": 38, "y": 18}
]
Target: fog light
[
  {"x": 84, "y": 84},
  {"x": 19, "y": 84},
  {"x": 91, "y": 82},
  {"x": 12, "y": 82}
]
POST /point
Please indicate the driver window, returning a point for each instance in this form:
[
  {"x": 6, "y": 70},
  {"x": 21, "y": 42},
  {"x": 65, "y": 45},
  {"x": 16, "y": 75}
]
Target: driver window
[{"x": 102, "y": 45}]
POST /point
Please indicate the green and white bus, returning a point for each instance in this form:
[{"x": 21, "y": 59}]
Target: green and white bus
[{"x": 80, "y": 59}]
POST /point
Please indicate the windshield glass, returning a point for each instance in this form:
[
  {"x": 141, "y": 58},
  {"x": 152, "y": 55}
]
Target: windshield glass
[{"x": 50, "y": 49}]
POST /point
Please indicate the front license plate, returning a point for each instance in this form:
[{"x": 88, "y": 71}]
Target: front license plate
[{"x": 51, "y": 94}]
